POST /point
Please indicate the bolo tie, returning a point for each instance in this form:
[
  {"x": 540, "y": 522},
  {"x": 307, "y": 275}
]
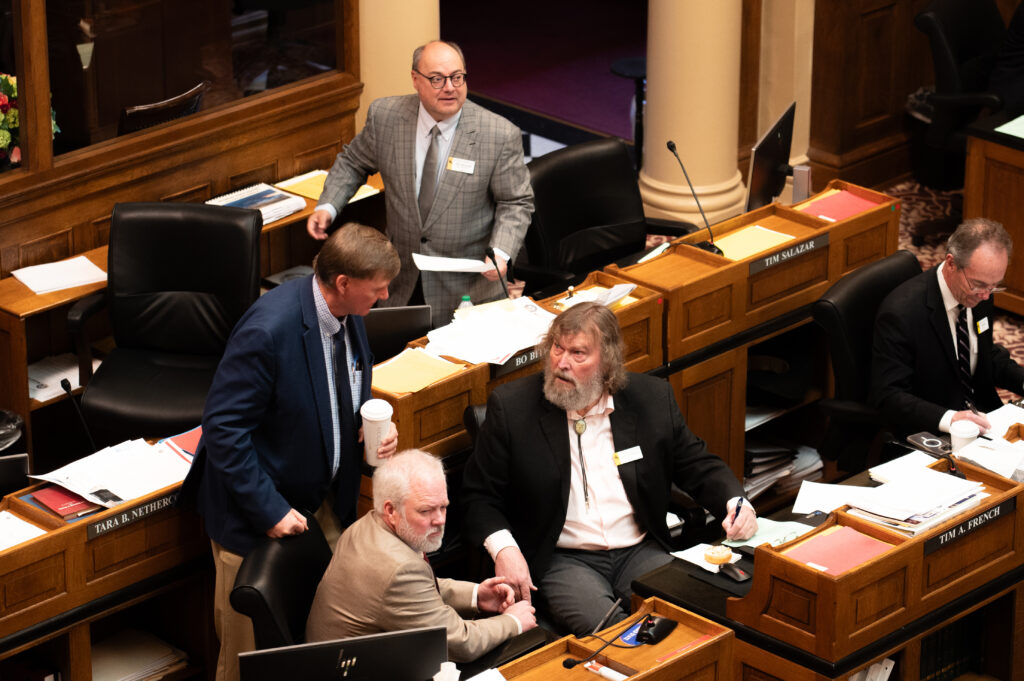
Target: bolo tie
[{"x": 580, "y": 426}]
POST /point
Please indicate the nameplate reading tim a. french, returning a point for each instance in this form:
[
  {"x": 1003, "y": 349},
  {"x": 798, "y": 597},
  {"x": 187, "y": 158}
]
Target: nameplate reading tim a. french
[
  {"x": 973, "y": 523},
  {"x": 788, "y": 253},
  {"x": 130, "y": 515}
]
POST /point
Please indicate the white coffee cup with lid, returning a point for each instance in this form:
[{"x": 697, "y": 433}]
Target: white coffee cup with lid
[
  {"x": 376, "y": 426},
  {"x": 963, "y": 433}
]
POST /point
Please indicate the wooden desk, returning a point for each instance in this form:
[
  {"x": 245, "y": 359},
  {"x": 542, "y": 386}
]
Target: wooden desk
[
  {"x": 793, "y": 622},
  {"x": 696, "y": 649},
  {"x": 994, "y": 188},
  {"x": 145, "y": 563}
]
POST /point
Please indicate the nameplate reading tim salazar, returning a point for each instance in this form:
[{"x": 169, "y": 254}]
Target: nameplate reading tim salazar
[
  {"x": 128, "y": 516},
  {"x": 976, "y": 522},
  {"x": 788, "y": 253}
]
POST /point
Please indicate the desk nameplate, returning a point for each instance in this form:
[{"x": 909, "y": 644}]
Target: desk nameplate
[
  {"x": 130, "y": 515},
  {"x": 958, "y": 532},
  {"x": 786, "y": 254}
]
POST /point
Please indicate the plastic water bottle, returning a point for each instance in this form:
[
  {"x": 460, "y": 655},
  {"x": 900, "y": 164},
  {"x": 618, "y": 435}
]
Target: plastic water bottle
[{"x": 466, "y": 302}]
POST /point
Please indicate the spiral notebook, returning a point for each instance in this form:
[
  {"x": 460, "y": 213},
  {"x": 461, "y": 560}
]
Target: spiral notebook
[{"x": 271, "y": 202}]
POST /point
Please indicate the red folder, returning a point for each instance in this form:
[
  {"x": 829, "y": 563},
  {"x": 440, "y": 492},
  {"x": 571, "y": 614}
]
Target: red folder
[
  {"x": 64, "y": 503},
  {"x": 836, "y": 551},
  {"x": 838, "y": 206}
]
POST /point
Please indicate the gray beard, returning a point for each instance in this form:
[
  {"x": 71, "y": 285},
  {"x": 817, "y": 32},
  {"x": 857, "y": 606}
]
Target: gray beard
[
  {"x": 421, "y": 543},
  {"x": 576, "y": 398}
]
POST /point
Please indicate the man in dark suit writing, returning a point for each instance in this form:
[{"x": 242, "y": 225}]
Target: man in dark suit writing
[
  {"x": 934, "y": 361},
  {"x": 281, "y": 425},
  {"x": 569, "y": 485}
]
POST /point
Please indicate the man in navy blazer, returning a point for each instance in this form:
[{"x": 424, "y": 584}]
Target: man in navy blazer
[
  {"x": 281, "y": 425},
  {"x": 569, "y": 484},
  {"x": 916, "y": 377}
]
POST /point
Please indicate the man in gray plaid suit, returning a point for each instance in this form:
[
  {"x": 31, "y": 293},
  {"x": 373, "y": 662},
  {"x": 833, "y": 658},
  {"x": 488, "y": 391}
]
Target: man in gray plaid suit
[{"x": 476, "y": 194}]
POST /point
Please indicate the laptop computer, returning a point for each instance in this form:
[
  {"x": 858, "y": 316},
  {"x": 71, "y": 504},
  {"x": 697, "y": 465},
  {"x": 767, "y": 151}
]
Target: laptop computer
[{"x": 410, "y": 655}]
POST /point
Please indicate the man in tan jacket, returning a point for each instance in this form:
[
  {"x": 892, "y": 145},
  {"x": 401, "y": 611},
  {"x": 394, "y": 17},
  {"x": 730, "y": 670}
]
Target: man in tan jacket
[{"x": 379, "y": 579}]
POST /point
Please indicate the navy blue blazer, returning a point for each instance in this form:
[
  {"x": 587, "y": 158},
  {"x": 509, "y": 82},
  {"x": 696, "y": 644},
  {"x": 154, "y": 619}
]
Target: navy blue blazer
[{"x": 267, "y": 441}]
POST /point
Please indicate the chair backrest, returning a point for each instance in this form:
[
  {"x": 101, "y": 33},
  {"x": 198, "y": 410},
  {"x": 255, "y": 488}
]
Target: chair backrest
[
  {"x": 847, "y": 314},
  {"x": 587, "y": 207},
  {"x": 276, "y": 584},
  {"x": 13, "y": 473},
  {"x": 180, "y": 275},
  {"x": 143, "y": 116}
]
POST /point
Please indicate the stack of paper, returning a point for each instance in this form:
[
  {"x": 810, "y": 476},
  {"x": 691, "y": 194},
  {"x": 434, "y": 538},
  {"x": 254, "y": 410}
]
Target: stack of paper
[
  {"x": 123, "y": 472},
  {"x": 914, "y": 503},
  {"x": 806, "y": 466},
  {"x": 131, "y": 655},
  {"x": 54, "y": 276},
  {"x": 272, "y": 203},
  {"x": 45, "y": 375},
  {"x": 493, "y": 332}
]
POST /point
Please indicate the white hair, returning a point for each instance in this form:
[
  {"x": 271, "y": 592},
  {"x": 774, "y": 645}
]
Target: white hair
[{"x": 393, "y": 478}]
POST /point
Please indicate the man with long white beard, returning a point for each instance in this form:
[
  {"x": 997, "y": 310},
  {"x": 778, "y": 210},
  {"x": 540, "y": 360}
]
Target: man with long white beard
[
  {"x": 571, "y": 477},
  {"x": 379, "y": 579}
]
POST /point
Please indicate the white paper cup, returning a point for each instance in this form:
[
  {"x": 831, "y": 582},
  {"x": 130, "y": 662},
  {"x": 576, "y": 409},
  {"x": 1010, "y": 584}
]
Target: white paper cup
[
  {"x": 963, "y": 433},
  {"x": 376, "y": 425}
]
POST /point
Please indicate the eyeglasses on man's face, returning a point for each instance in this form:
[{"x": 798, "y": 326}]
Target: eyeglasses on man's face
[
  {"x": 978, "y": 288},
  {"x": 437, "y": 81}
]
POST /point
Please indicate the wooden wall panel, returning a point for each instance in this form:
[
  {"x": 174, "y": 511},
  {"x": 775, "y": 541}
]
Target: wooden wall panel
[
  {"x": 266, "y": 138},
  {"x": 868, "y": 58}
]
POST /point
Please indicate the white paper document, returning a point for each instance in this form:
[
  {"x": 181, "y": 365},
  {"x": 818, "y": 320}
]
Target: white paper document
[
  {"x": 918, "y": 494},
  {"x": 44, "y": 376},
  {"x": 121, "y": 473},
  {"x": 772, "y": 532},
  {"x": 54, "y": 276},
  {"x": 492, "y": 333},
  {"x": 14, "y": 530},
  {"x": 695, "y": 555},
  {"x": 601, "y": 295},
  {"x": 435, "y": 263},
  {"x": 818, "y": 496},
  {"x": 908, "y": 464}
]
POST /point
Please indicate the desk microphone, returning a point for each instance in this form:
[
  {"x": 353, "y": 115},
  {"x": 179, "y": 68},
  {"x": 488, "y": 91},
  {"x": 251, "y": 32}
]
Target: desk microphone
[
  {"x": 490, "y": 254},
  {"x": 708, "y": 245},
  {"x": 571, "y": 662},
  {"x": 66, "y": 385}
]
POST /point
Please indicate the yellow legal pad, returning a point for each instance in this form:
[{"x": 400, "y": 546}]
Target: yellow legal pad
[
  {"x": 750, "y": 241},
  {"x": 412, "y": 370}
]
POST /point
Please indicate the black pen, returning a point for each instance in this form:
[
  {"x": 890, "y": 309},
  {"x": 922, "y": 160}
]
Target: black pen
[
  {"x": 736, "y": 511},
  {"x": 970, "y": 405}
]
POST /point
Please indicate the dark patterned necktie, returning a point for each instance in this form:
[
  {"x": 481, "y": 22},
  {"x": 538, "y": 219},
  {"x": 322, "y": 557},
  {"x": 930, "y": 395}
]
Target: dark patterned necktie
[
  {"x": 428, "y": 178},
  {"x": 963, "y": 352}
]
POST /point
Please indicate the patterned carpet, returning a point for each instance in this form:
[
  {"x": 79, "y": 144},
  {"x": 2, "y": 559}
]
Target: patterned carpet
[{"x": 919, "y": 204}]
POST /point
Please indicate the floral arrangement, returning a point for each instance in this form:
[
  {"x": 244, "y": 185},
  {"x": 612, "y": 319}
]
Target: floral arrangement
[{"x": 10, "y": 148}]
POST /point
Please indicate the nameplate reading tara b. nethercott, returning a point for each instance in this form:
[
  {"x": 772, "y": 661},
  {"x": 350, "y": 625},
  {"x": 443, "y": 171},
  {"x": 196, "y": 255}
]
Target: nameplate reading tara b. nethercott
[
  {"x": 130, "y": 515},
  {"x": 786, "y": 254},
  {"x": 973, "y": 523}
]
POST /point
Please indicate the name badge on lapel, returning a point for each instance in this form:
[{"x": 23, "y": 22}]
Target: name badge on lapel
[
  {"x": 461, "y": 165},
  {"x": 627, "y": 455},
  {"x": 981, "y": 325}
]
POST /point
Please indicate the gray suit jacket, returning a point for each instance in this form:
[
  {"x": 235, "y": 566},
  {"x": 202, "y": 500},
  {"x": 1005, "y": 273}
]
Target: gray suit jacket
[
  {"x": 489, "y": 207},
  {"x": 376, "y": 582}
]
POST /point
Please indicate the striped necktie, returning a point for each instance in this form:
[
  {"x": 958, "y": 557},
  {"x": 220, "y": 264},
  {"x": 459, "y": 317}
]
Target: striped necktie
[{"x": 963, "y": 352}]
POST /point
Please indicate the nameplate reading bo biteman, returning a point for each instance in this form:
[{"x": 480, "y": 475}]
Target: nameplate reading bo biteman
[
  {"x": 130, "y": 515},
  {"x": 786, "y": 254},
  {"x": 970, "y": 525},
  {"x": 517, "y": 361}
]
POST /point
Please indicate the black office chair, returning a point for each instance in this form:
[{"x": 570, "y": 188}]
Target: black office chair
[
  {"x": 276, "y": 583},
  {"x": 134, "y": 118},
  {"x": 847, "y": 314},
  {"x": 13, "y": 473},
  {"x": 587, "y": 213},
  {"x": 965, "y": 36},
  {"x": 179, "y": 276}
]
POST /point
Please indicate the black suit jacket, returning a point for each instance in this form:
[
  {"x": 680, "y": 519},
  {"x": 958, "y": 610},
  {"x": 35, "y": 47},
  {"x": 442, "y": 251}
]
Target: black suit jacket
[
  {"x": 518, "y": 476},
  {"x": 914, "y": 377}
]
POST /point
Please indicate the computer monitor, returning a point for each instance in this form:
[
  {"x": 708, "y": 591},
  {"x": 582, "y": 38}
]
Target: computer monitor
[
  {"x": 411, "y": 655},
  {"x": 769, "y": 162},
  {"x": 389, "y": 329}
]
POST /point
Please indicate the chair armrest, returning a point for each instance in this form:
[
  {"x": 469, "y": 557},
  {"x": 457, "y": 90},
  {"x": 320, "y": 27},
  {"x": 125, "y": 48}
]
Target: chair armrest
[
  {"x": 78, "y": 315},
  {"x": 962, "y": 100},
  {"x": 674, "y": 228}
]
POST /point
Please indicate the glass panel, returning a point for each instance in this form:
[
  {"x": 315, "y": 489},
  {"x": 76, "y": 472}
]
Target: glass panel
[{"x": 106, "y": 55}]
